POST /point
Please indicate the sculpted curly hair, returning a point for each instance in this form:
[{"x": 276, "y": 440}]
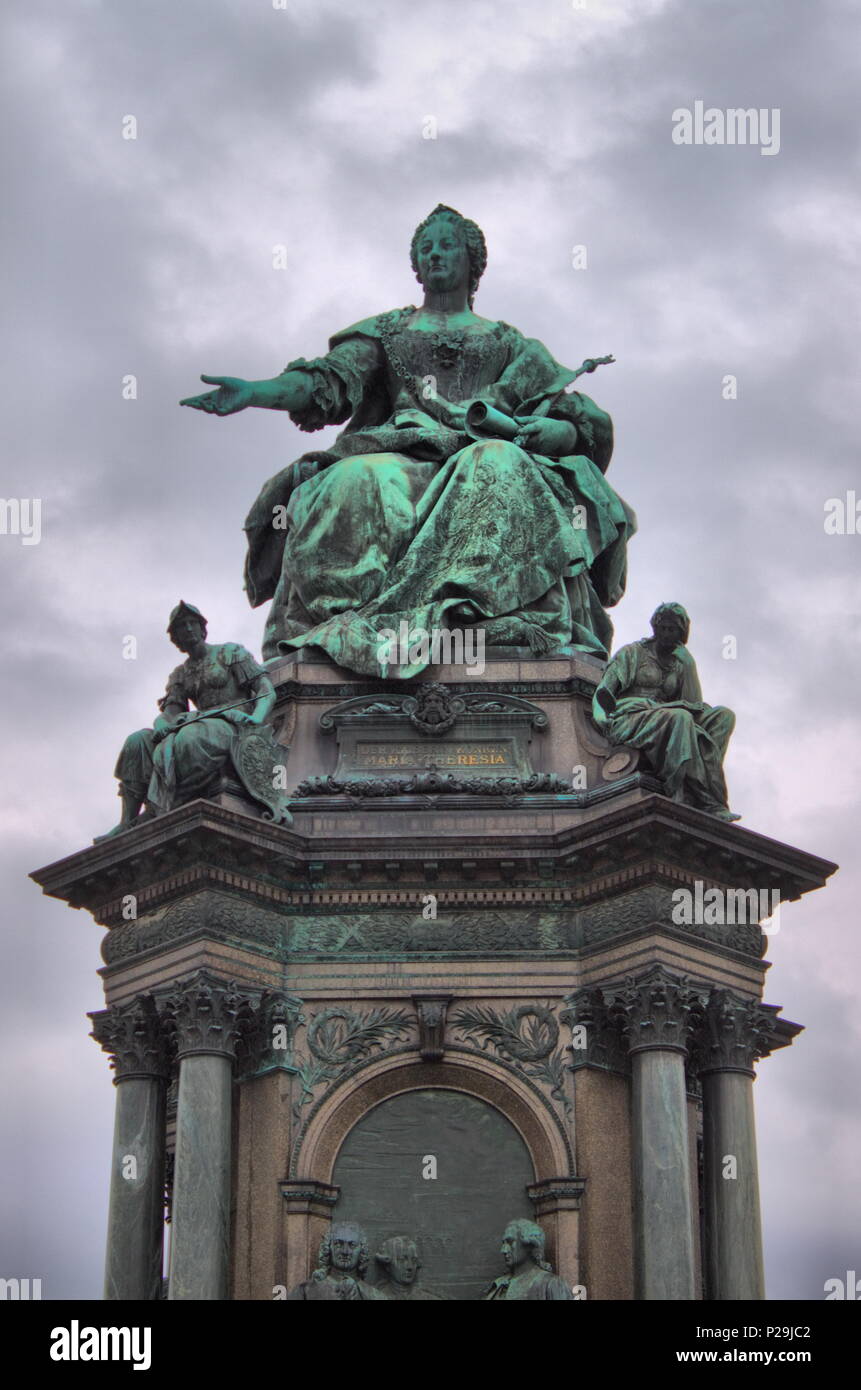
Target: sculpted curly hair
[
  {"x": 324, "y": 1254},
  {"x": 476, "y": 246},
  {"x": 532, "y": 1236}
]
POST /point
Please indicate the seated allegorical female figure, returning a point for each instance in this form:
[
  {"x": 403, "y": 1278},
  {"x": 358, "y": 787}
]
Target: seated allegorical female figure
[
  {"x": 408, "y": 517},
  {"x": 185, "y": 752},
  {"x": 650, "y": 698}
]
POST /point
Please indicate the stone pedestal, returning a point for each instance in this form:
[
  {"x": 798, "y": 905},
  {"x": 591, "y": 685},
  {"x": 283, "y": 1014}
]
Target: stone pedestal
[{"x": 456, "y": 991}]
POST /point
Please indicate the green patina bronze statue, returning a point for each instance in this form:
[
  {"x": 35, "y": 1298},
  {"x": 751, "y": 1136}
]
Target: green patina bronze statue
[
  {"x": 186, "y": 753},
  {"x": 399, "y": 1260},
  {"x": 650, "y": 698},
  {"x": 529, "y": 1274},
  {"x": 342, "y": 1265},
  {"x": 467, "y": 489}
]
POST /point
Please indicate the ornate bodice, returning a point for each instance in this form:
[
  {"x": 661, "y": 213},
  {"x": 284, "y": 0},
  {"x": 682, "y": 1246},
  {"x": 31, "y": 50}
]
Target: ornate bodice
[
  {"x": 461, "y": 361},
  {"x": 656, "y": 680}
]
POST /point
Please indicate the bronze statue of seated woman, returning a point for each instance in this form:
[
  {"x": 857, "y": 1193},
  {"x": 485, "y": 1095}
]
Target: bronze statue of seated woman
[
  {"x": 650, "y": 698},
  {"x": 187, "y": 752},
  {"x": 408, "y": 517}
]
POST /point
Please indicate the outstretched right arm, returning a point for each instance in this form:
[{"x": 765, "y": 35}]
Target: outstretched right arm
[{"x": 289, "y": 391}]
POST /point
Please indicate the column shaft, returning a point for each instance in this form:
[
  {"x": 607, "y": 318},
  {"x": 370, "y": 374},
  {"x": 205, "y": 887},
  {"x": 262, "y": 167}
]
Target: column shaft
[
  {"x": 133, "y": 1266},
  {"x": 201, "y": 1194},
  {"x": 663, "y": 1231},
  {"x": 733, "y": 1254}
]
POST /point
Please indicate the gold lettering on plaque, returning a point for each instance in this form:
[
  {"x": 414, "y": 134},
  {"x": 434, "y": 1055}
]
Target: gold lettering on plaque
[{"x": 473, "y": 754}]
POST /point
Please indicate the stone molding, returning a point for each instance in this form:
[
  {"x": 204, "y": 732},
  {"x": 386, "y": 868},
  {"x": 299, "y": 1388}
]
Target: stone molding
[
  {"x": 329, "y": 1121},
  {"x": 305, "y": 1196},
  {"x": 556, "y": 1194}
]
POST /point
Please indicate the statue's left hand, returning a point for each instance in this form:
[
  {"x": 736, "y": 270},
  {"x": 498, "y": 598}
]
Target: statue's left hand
[{"x": 545, "y": 436}]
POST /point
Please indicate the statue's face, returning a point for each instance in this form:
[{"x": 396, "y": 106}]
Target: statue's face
[
  {"x": 514, "y": 1252},
  {"x": 187, "y": 632},
  {"x": 668, "y": 631},
  {"x": 346, "y": 1247},
  {"x": 405, "y": 1264},
  {"x": 442, "y": 256}
]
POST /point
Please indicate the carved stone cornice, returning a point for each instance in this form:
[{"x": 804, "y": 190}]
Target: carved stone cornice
[
  {"x": 431, "y": 1011},
  {"x": 596, "y": 1035},
  {"x": 656, "y": 1010},
  {"x": 735, "y": 1031},
  {"x": 307, "y": 1196},
  {"x": 552, "y": 1195},
  {"x": 205, "y": 1014},
  {"x": 265, "y": 1043},
  {"x": 133, "y": 1036}
]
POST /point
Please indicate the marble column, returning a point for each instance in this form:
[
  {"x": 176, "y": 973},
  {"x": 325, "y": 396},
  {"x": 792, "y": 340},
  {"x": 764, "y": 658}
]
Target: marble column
[
  {"x": 204, "y": 1014},
  {"x": 132, "y": 1035},
  {"x": 734, "y": 1032},
  {"x": 656, "y": 1012}
]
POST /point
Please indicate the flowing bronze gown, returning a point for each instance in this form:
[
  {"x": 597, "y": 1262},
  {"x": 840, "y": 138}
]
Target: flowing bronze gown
[
  {"x": 408, "y": 519},
  {"x": 659, "y": 709}
]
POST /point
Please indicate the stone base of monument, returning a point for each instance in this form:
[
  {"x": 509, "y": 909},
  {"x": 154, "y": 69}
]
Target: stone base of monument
[{"x": 461, "y": 988}]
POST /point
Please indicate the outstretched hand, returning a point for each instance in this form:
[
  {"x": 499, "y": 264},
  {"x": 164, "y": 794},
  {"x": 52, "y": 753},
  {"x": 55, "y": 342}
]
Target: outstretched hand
[{"x": 233, "y": 394}]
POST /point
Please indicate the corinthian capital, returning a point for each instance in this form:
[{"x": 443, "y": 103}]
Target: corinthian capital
[
  {"x": 134, "y": 1038},
  {"x": 656, "y": 1009},
  {"x": 733, "y": 1033},
  {"x": 205, "y": 1014},
  {"x": 596, "y": 1036}
]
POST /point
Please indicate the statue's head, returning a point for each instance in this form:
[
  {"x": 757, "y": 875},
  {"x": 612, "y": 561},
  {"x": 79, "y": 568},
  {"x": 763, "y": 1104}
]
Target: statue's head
[
  {"x": 522, "y": 1245},
  {"x": 671, "y": 625},
  {"x": 186, "y": 626},
  {"x": 448, "y": 251},
  {"x": 344, "y": 1247},
  {"x": 399, "y": 1257}
]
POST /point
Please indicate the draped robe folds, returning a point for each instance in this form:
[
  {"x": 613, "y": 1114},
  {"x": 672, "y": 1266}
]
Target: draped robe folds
[
  {"x": 407, "y": 519},
  {"x": 661, "y": 712}
]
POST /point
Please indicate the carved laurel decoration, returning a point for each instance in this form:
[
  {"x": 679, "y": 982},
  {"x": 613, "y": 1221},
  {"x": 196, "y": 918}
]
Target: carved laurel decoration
[{"x": 525, "y": 1034}]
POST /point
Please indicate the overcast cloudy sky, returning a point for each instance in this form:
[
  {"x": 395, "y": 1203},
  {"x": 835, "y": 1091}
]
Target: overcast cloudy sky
[{"x": 305, "y": 127}]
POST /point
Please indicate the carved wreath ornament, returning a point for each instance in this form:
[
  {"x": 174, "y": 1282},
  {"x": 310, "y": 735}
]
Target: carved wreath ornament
[{"x": 528, "y": 1034}]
